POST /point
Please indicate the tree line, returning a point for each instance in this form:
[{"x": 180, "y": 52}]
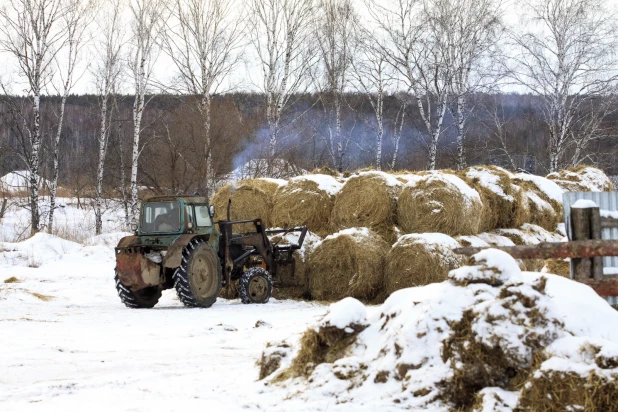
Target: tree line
[{"x": 415, "y": 84}]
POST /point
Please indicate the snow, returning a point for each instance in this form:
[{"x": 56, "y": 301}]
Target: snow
[
  {"x": 507, "y": 268},
  {"x": 389, "y": 179},
  {"x": 474, "y": 241},
  {"x": 583, "y": 204},
  {"x": 19, "y": 181},
  {"x": 613, "y": 214},
  {"x": 470, "y": 195},
  {"x": 292, "y": 238},
  {"x": 359, "y": 234},
  {"x": 595, "y": 180},
  {"x": 348, "y": 311},
  {"x": 550, "y": 188},
  {"x": 83, "y": 347},
  {"x": 489, "y": 180},
  {"x": 326, "y": 183},
  {"x": 280, "y": 182},
  {"x": 495, "y": 239}
]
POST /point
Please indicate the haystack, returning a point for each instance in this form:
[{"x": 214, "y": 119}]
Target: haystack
[
  {"x": 368, "y": 199},
  {"x": 529, "y": 235},
  {"x": 582, "y": 179},
  {"x": 502, "y": 200},
  {"x": 544, "y": 198},
  {"x": 251, "y": 199},
  {"x": 560, "y": 267},
  {"x": 306, "y": 200},
  {"x": 420, "y": 259},
  {"x": 439, "y": 202},
  {"x": 347, "y": 263}
]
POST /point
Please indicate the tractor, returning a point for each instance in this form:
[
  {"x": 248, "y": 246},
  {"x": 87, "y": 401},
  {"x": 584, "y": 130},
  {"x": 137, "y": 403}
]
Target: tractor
[{"x": 178, "y": 245}]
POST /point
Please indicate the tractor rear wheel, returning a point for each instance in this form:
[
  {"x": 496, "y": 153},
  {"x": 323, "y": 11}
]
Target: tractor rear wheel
[
  {"x": 144, "y": 298},
  {"x": 255, "y": 286},
  {"x": 198, "y": 278}
]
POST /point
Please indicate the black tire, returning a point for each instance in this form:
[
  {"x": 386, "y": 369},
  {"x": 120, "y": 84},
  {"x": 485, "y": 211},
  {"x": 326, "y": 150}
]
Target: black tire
[
  {"x": 255, "y": 286},
  {"x": 198, "y": 278},
  {"x": 141, "y": 299}
]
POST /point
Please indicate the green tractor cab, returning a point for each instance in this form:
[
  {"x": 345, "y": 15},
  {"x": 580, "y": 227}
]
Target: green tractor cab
[{"x": 178, "y": 245}]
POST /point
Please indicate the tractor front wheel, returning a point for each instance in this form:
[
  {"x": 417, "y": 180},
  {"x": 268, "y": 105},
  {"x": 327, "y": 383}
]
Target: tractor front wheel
[
  {"x": 144, "y": 298},
  {"x": 198, "y": 278},
  {"x": 255, "y": 286}
]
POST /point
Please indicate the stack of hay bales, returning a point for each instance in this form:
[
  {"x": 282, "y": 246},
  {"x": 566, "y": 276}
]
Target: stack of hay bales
[
  {"x": 294, "y": 285},
  {"x": 306, "y": 200},
  {"x": 347, "y": 263},
  {"x": 439, "y": 202},
  {"x": 251, "y": 199},
  {"x": 582, "y": 179},
  {"x": 544, "y": 198},
  {"x": 503, "y": 203},
  {"x": 368, "y": 199},
  {"x": 420, "y": 259},
  {"x": 529, "y": 235}
]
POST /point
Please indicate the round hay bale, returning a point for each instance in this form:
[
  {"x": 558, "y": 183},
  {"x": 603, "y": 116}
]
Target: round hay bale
[
  {"x": 420, "y": 259},
  {"x": 347, "y": 263},
  {"x": 367, "y": 199},
  {"x": 560, "y": 267},
  {"x": 294, "y": 285},
  {"x": 501, "y": 199},
  {"x": 306, "y": 200},
  {"x": 251, "y": 199},
  {"x": 439, "y": 202},
  {"x": 544, "y": 200},
  {"x": 529, "y": 235},
  {"x": 582, "y": 179}
]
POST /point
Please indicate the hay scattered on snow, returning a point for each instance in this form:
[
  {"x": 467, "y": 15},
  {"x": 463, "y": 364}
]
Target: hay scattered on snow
[
  {"x": 347, "y": 263},
  {"x": 560, "y": 267},
  {"x": 368, "y": 199},
  {"x": 12, "y": 279},
  {"x": 306, "y": 200},
  {"x": 420, "y": 259},
  {"x": 251, "y": 199},
  {"x": 582, "y": 179},
  {"x": 439, "y": 202}
]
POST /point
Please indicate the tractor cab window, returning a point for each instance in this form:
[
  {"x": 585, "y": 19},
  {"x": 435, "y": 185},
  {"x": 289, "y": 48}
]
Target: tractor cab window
[
  {"x": 202, "y": 215},
  {"x": 161, "y": 217}
]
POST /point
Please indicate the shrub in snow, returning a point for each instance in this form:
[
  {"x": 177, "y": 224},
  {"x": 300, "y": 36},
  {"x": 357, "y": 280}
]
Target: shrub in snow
[{"x": 489, "y": 337}]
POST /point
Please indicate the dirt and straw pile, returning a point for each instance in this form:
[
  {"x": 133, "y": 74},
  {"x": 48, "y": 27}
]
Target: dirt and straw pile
[
  {"x": 347, "y": 263},
  {"x": 489, "y": 338}
]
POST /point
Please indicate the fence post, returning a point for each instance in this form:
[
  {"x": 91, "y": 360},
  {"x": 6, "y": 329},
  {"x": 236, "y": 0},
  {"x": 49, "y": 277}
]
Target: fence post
[{"x": 586, "y": 225}]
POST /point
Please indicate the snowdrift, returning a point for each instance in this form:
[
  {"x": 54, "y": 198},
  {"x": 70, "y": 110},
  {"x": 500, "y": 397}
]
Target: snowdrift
[{"x": 489, "y": 337}]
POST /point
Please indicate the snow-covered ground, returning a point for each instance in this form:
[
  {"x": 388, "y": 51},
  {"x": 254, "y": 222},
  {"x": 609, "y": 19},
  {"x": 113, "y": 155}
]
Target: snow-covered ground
[{"x": 67, "y": 343}]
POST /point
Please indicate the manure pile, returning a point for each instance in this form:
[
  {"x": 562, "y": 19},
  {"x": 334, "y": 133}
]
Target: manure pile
[
  {"x": 360, "y": 215},
  {"x": 488, "y": 338}
]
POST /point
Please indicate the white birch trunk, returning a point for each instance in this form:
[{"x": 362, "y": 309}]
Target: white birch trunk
[{"x": 461, "y": 132}]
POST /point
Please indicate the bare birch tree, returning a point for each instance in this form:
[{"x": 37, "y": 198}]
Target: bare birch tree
[
  {"x": 203, "y": 39},
  {"x": 335, "y": 27},
  {"x": 147, "y": 22},
  {"x": 566, "y": 56},
  {"x": 472, "y": 29},
  {"x": 417, "y": 48},
  {"x": 78, "y": 15},
  {"x": 30, "y": 34},
  {"x": 106, "y": 74},
  {"x": 280, "y": 34},
  {"x": 370, "y": 70}
]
